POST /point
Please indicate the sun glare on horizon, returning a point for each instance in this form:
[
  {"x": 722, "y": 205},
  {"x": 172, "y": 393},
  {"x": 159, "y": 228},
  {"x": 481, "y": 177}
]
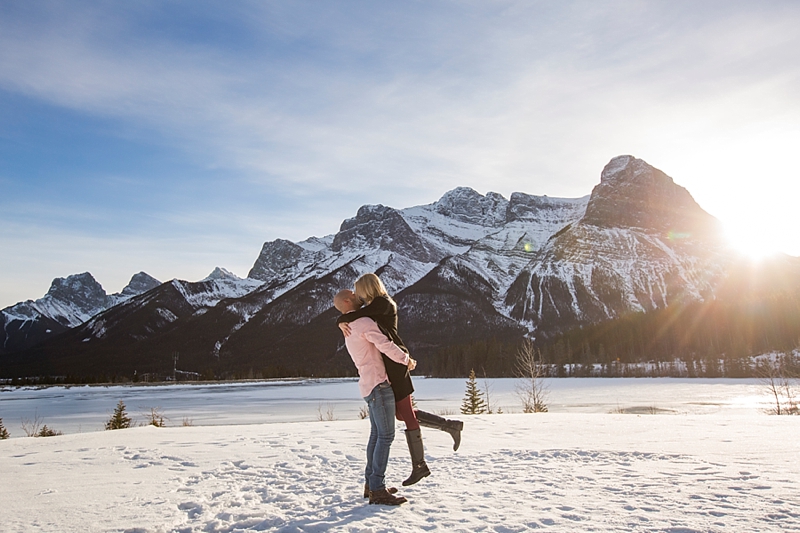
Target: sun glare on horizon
[
  {"x": 745, "y": 177},
  {"x": 752, "y": 241}
]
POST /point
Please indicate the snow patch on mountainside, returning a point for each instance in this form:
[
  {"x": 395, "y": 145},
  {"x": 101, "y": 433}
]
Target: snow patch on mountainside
[
  {"x": 590, "y": 274},
  {"x": 210, "y": 293},
  {"x": 453, "y": 236},
  {"x": 317, "y": 244}
]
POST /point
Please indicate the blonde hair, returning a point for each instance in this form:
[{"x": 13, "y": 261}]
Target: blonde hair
[{"x": 369, "y": 286}]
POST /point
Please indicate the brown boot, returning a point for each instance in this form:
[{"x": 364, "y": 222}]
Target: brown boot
[
  {"x": 384, "y": 497},
  {"x": 390, "y": 490}
]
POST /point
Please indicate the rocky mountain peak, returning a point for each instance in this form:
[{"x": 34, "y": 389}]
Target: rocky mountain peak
[
  {"x": 220, "y": 273},
  {"x": 275, "y": 257},
  {"x": 618, "y": 166},
  {"x": 634, "y": 194},
  {"x": 361, "y": 227},
  {"x": 468, "y": 205},
  {"x": 139, "y": 284},
  {"x": 81, "y": 290},
  {"x": 383, "y": 228}
]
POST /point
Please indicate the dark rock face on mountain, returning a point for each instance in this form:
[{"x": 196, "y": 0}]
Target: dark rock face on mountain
[
  {"x": 632, "y": 194},
  {"x": 383, "y": 228},
  {"x": 467, "y": 205},
  {"x": 276, "y": 257},
  {"x": 140, "y": 283},
  {"x": 81, "y": 292},
  {"x": 465, "y": 268}
]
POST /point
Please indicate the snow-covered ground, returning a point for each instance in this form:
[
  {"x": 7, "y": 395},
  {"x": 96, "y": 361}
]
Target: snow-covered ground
[
  {"x": 551, "y": 472},
  {"x": 717, "y": 463}
]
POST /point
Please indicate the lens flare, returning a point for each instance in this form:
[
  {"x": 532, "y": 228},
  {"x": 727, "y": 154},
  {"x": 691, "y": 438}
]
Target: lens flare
[{"x": 677, "y": 235}]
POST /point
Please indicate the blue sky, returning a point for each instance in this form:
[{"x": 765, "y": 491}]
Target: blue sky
[{"x": 173, "y": 137}]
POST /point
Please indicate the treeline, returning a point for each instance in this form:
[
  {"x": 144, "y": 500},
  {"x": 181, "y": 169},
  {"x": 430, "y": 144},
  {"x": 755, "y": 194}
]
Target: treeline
[
  {"x": 268, "y": 372},
  {"x": 491, "y": 358},
  {"x": 716, "y": 338},
  {"x": 66, "y": 380},
  {"x": 694, "y": 332}
]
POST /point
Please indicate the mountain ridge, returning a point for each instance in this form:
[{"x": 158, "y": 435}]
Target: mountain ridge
[
  {"x": 464, "y": 268},
  {"x": 69, "y": 302}
]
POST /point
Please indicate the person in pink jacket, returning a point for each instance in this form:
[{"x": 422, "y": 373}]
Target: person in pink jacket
[{"x": 365, "y": 344}]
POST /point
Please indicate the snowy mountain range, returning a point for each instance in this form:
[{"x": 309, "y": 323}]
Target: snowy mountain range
[
  {"x": 70, "y": 302},
  {"x": 466, "y": 267}
]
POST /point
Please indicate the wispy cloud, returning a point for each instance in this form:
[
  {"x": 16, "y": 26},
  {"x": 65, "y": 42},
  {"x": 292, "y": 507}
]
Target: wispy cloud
[{"x": 462, "y": 97}]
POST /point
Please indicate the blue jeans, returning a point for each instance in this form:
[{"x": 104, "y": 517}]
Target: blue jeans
[{"x": 381, "y": 421}]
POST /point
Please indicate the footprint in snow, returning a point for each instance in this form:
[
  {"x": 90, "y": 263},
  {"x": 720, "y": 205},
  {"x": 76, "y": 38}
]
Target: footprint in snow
[{"x": 193, "y": 509}]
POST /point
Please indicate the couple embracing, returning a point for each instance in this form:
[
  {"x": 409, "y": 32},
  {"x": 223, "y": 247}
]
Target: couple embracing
[{"x": 369, "y": 324}]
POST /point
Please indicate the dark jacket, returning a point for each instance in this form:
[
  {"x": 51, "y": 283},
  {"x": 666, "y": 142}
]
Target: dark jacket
[{"x": 384, "y": 313}]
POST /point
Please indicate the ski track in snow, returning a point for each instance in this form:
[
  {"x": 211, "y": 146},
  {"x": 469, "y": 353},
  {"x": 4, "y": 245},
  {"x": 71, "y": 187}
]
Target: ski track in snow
[{"x": 506, "y": 478}]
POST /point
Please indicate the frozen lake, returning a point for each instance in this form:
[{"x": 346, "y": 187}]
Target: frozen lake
[{"x": 84, "y": 408}]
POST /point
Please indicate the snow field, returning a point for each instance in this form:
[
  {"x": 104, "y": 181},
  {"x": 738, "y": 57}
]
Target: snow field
[{"x": 550, "y": 472}]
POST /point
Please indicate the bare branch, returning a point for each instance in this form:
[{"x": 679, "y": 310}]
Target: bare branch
[{"x": 531, "y": 389}]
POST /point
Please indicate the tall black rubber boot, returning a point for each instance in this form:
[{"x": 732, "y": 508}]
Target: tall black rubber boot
[
  {"x": 453, "y": 427},
  {"x": 417, "y": 451}
]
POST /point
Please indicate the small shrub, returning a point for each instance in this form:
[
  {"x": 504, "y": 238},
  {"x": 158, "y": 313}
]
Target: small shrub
[
  {"x": 120, "y": 419},
  {"x": 31, "y": 427},
  {"x": 187, "y": 422},
  {"x": 3, "y": 431},
  {"x": 531, "y": 389},
  {"x": 326, "y": 416},
  {"x": 363, "y": 413},
  {"x": 155, "y": 418},
  {"x": 781, "y": 384},
  {"x": 487, "y": 390}
]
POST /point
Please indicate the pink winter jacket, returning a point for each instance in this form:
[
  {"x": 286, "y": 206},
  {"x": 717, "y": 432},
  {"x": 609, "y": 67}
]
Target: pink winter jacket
[{"x": 365, "y": 344}]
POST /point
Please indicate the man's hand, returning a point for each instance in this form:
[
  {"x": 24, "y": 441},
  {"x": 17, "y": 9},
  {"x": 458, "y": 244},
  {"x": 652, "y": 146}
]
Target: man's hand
[
  {"x": 345, "y": 327},
  {"x": 412, "y": 363}
]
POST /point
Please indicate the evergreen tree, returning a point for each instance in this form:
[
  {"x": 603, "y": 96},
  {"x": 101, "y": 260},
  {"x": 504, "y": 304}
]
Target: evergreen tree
[
  {"x": 3, "y": 431},
  {"x": 47, "y": 432},
  {"x": 120, "y": 419},
  {"x": 473, "y": 403}
]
